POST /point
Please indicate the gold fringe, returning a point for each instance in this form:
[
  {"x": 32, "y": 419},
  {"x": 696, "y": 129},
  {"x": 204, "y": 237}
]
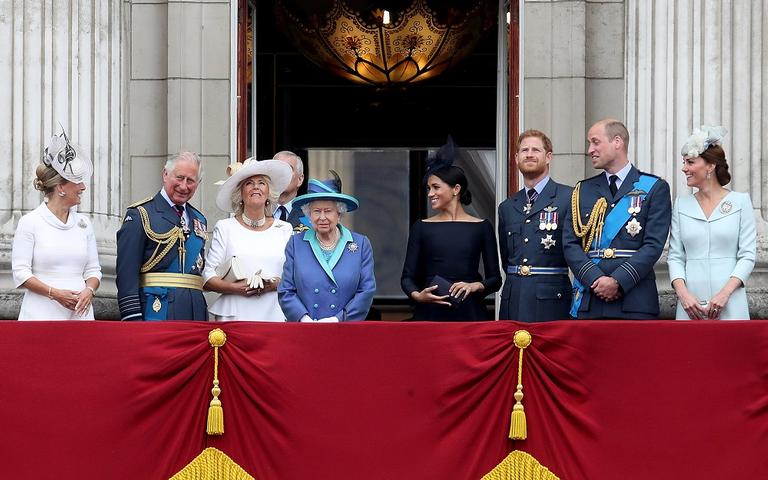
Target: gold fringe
[
  {"x": 518, "y": 427},
  {"x": 520, "y": 466},
  {"x": 212, "y": 464},
  {"x": 215, "y": 425}
]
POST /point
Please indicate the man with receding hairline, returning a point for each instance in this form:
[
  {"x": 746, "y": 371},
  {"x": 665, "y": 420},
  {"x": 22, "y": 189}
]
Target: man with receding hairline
[
  {"x": 617, "y": 232},
  {"x": 285, "y": 210},
  {"x": 160, "y": 249}
]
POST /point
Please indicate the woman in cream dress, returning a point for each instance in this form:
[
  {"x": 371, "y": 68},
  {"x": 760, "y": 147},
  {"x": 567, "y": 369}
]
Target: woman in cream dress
[
  {"x": 254, "y": 237},
  {"x": 713, "y": 236},
  {"x": 54, "y": 249}
]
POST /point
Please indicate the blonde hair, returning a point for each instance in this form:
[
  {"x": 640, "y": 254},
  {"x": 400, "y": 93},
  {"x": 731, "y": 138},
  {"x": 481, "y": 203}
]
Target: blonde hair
[
  {"x": 269, "y": 206},
  {"x": 46, "y": 179}
]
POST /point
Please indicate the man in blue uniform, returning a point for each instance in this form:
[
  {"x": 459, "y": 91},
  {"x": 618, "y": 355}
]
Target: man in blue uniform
[
  {"x": 616, "y": 233},
  {"x": 160, "y": 249},
  {"x": 531, "y": 223}
]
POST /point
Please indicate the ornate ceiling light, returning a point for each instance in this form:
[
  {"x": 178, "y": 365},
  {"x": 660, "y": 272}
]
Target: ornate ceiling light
[{"x": 388, "y": 45}]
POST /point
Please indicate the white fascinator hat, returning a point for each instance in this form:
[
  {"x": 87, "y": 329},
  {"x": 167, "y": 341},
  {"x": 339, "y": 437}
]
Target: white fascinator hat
[{"x": 68, "y": 159}]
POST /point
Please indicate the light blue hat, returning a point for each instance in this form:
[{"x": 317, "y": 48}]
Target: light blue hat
[{"x": 326, "y": 190}]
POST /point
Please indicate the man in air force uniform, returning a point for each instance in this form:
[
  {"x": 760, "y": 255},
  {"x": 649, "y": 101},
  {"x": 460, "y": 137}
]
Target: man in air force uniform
[
  {"x": 160, "y": 249},
  {"x": 531, "y": 223},
  {"x": 616, "y": 233}
]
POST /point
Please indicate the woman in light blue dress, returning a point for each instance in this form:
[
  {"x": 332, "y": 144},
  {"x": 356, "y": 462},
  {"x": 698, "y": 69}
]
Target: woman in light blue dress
[{"x": 713, "y": 236}]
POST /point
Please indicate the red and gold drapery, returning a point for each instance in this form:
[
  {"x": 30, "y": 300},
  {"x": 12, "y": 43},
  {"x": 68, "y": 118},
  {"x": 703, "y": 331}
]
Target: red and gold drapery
[{"x": 603, "y": 400}]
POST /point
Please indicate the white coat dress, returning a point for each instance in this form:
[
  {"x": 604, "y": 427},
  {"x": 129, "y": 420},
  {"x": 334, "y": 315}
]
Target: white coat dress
[{"x": 62, "y": 255}]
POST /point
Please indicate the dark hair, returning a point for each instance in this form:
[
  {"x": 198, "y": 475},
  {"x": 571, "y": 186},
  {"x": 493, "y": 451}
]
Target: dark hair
[
  {"x": 455, "y": 176},
  {"x": 716, "y": 156}
]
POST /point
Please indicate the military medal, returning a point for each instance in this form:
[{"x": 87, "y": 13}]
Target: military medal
[
  {"x": 156, "y": 305},
  {"x": 548, "y": 242},
  {"x": 548, "y": 218},
  {"x": 199, "y": 228},
  {"x": 635, "y": 203},
  {"x": 527, "y": 208},
  {"x": 726, "y": 207},
  {"x": 633, "y": 227}
]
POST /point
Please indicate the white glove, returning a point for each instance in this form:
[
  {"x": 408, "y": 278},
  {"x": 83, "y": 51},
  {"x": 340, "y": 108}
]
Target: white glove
[
  {"x": 256, "y": 281},
  {"x": 328, "y": 320},
  {"x": 306, "y": 319}
]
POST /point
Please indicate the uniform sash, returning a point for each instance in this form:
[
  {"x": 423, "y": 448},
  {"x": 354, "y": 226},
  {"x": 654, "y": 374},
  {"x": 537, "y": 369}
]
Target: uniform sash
[{"x": 616, "y": 219}]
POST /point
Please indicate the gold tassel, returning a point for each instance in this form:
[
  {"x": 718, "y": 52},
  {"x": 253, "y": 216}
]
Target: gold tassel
[
  {"x": 518, "y": 427},
  {"x": 215, "y": 426}
]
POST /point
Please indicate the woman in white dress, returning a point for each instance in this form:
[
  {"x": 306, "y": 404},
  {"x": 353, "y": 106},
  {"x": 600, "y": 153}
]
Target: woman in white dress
[
  {"x": 254, "y": 238},
  {"x": 713, "y": 236},
  {"x": 54, "y": 249}
]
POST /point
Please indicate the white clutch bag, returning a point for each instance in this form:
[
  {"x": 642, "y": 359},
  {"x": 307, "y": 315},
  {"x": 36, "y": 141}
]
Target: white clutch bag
[{"x": 231, "y": 270}]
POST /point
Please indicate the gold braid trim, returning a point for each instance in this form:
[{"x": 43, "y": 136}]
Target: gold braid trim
[
  {"x": 596, "y": 219},
  {"x": 140, "y": 202},
  {"x": 520, "y": 466},
  {"x": 168, "y": 239},
  {"x": 212, "y": 464}
]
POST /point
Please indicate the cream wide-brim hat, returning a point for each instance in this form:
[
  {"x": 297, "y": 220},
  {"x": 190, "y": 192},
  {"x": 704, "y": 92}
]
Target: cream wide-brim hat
[{"x": 279, "y": 173}]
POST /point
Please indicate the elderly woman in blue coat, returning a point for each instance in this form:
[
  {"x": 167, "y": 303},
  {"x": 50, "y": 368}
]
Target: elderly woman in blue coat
[{"x": 328, "y": 269}]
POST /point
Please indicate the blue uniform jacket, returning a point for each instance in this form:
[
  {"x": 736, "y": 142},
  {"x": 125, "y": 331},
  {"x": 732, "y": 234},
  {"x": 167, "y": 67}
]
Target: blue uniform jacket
[
  {"x": 534, "y": 298},
  {"x": 134, "y": 248},
  {"x": 639, "y": 299},
  {"x": 344, "y": 289}
]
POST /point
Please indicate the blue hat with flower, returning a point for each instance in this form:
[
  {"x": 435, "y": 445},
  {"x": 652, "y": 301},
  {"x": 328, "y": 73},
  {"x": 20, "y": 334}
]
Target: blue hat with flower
[{"x": 326, "y": 190}]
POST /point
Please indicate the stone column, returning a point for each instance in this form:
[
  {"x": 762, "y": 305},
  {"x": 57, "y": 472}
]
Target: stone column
[
  {"x": 178, "y": 82},
  {"x": 573, "y": 54},
  {"x": 59, "y": 64},
  {"x": 694, "y": 62}
]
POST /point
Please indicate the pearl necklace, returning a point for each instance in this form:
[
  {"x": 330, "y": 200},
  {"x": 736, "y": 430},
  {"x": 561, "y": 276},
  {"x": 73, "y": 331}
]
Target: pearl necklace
[
  {"x": 329, "y": 246},
  {"x": 253, "y": 223}
]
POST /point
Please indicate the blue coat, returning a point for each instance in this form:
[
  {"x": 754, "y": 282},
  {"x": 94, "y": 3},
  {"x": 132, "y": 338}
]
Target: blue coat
[
  {"x": 639, "y": 299},
  {"x": 342, "y": 288},
  {"x": 134, "y": 248},
  {"x": 534, "y": 298}
]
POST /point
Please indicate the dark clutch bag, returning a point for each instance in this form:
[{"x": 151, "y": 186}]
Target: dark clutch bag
[{"x": 443, "y": 288}]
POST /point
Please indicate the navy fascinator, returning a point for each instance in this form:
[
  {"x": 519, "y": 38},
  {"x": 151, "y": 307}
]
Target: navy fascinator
[{"x": 443, "y": 158}]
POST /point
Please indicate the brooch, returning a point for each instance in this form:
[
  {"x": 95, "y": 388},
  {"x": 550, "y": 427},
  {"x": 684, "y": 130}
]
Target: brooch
[
  {"x": 352, "y": 247},
  {"x": 548, "y": 242},
  {"x": 726, "y": 207},
  {"x": 633, "y": 227},
  {"x": 82, "y": 223}
]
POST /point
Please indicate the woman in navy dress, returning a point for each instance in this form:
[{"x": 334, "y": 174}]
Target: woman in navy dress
[{"x": 444, "y": 252}]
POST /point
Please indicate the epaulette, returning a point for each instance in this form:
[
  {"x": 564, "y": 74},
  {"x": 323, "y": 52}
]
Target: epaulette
[{"x": 140, "y": 202}]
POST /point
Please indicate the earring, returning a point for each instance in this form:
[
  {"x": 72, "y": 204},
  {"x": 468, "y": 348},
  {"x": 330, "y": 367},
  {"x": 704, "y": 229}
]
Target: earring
[
  {"x": 62, "y": 194},
  {"x": 709, "y": 175}
]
